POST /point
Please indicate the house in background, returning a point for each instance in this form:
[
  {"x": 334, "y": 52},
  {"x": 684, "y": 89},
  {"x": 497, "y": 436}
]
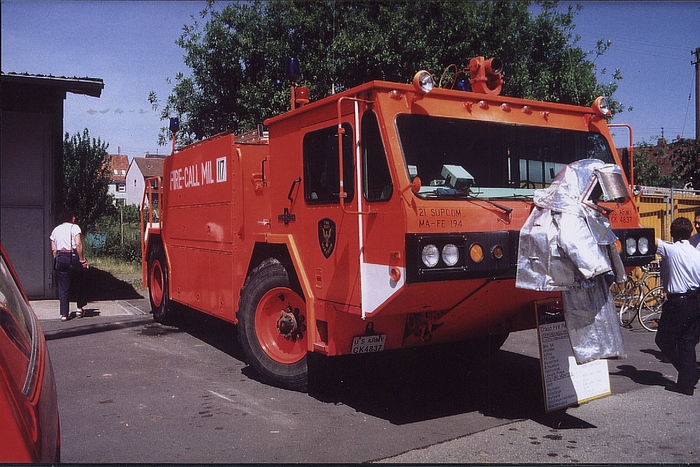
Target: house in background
[
  {"x": 31, "y": 170},
  {"x": 117, "y": 165},
  {"x": 139, "y": 170}
]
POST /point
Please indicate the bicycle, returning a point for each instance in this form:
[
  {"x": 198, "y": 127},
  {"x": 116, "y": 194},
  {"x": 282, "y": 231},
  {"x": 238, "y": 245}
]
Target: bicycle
[{"x": 628, "y": 295}]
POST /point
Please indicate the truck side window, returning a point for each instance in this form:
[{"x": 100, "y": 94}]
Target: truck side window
[
  {"x": 321, "y": 173},
  {"x": 377, "y": 184}
]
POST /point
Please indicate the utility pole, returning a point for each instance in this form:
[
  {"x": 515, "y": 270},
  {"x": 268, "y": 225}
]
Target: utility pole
[{"x": 696, "y": 52}]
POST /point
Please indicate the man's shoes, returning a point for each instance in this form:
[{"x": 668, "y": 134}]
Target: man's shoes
[
  {"x": 64, "y": 318},
  {"x": 673, "y": 387},
  {"x": 79, "y": 313}
]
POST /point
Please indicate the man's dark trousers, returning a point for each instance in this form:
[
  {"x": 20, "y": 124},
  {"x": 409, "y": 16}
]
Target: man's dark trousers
[{"x": 678, "y": 334}]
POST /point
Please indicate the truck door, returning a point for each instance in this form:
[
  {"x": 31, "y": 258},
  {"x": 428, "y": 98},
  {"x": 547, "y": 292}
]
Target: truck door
[
  {"x": 343, "y": 208},
  {"x": 331, "y": 226}
]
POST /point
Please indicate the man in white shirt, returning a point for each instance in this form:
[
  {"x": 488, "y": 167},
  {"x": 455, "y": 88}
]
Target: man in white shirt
[
  {"x": 679, "y": 326},
  {"x": 67, "y": 249}
]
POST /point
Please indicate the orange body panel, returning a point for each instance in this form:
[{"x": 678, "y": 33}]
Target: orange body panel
[{"x": 211, "y": 212}]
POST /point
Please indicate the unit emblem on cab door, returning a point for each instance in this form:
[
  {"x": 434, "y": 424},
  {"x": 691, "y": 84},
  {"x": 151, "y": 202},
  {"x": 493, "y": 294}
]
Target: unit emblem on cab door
[{"x": 326, "y": 236}]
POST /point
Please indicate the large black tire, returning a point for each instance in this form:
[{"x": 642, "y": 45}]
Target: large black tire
[
  {"x": 280, "y": 361},
  {"x": 158, "y": 288}
]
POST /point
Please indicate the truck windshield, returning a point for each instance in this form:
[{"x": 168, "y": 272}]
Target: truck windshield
[{"x": 490, "y": 159}]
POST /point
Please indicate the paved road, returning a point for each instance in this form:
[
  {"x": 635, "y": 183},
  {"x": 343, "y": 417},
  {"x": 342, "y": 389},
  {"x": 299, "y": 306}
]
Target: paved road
[{"x": 131, "y": 390}]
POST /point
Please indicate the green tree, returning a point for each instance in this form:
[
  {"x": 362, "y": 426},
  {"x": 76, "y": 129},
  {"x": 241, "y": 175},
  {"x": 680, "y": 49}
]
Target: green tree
[
  {"x": 86, "y": 178},
  {"x": 685, "y": 157},
  {"x": 236, "y": 54},
  {"x": 682, "y": 156},
  {"x": 647, "y": 169}
]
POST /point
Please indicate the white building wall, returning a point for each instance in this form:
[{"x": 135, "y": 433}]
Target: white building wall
[{"x": 135, "y": 184}]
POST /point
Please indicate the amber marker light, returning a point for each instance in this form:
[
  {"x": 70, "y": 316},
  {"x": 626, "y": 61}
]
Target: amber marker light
[
  {"x": 395, "y": 274},
  {"x": 618, "y": 245},
  {"x": 476, "y": 253}
]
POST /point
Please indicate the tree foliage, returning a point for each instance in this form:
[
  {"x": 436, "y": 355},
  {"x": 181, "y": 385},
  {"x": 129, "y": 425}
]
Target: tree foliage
[
  {"x": 86, "y": 178},
  {"x": 236, "y": 53},
  {"x": 685, "y": 157},
  {"x": 681, "y": 158}
]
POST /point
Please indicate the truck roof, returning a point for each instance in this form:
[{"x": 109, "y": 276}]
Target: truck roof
[{"x": 436, "y": 92}]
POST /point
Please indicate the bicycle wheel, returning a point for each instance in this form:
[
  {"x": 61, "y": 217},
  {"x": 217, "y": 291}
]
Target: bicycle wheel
[
  {"x": 630, "y": 307},
  {"x": 626, "y": 297},
  {"x": 650, "y": 308}
]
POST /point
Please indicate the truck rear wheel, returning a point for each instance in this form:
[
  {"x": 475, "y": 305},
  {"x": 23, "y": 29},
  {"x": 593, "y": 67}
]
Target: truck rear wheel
[
  {"x": 161, "y": 306},
  {"x": 271, "y": 327}
]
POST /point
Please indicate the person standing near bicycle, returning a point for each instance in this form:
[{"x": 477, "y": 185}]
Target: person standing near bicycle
[{"x": 679, "y": 326}]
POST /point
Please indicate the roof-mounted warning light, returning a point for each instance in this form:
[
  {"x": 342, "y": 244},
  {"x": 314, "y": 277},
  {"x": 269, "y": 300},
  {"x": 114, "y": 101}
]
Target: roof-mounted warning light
[{"x": 298, "y": 94}]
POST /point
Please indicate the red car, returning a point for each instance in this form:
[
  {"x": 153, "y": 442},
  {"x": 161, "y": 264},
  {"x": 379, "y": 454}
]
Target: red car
[{"x": 29, "y": 422}]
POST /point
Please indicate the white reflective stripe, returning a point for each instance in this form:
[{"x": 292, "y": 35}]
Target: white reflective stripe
[
  {"x": 364, "y": 285},
  {"x": 382, "y": 287}
]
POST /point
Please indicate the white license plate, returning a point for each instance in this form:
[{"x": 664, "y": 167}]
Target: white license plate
[{"x": 367, "y": 344}]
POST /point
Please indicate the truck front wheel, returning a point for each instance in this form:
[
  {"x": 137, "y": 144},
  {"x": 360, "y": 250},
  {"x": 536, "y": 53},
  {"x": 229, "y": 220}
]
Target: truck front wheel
[
  {"x": 271, "y": 327},
  {"x": 161, "y": 306}
]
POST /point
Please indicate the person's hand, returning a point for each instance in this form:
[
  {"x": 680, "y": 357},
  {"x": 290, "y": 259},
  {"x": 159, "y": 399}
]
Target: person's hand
[{"x": 84, "y": 262}]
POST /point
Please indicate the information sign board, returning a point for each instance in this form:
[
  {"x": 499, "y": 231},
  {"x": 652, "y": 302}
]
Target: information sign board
[{"x": 565, "y": 382}]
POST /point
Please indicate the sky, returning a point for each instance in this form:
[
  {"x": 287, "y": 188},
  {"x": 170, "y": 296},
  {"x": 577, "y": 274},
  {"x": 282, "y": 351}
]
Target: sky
[{"x": 131, "y": 46}]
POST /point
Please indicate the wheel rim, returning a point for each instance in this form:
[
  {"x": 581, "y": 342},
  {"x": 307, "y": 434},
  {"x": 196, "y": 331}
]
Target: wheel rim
[
  {"x": 651, "y": 308},
  {"x": 156, "y": 284},
  {"x": 272, "y": 305}
]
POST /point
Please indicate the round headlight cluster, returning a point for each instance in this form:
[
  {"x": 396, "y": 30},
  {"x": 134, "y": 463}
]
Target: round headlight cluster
[
  {"x": 634, "y": 246},
  {"x": 431, "y": 255},
  {"x": 452, "y": 254}
]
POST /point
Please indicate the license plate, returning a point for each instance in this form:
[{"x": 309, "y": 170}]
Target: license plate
[{"x": 367, "y": 344}]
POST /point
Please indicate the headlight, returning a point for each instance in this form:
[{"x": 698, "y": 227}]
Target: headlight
[
  {"x": 430, "y": 255},
  {"x": 450, "y": 254},
  {"x": 601, "y": 106},
  {"x": 643, "y": 245},
  {"x": 423, "y": 82},
  {"x": 631, "y": 246}
]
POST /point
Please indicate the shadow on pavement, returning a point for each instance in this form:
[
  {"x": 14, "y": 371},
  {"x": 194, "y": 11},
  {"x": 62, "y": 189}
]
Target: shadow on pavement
[
  {"x": 404, "y": 386},
  {"x": 413, "y": 385},
  {"x": 645, "y": 377},
  {"x": 84, "y": 327},
  {"x": 418, "y": 384},
  {"x": 100, "y": 285}
]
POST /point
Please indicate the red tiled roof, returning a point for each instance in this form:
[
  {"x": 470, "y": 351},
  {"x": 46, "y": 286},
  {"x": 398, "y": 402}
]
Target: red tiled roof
[
  {"x": 120, "y": 163},
  {"x": 150, "y": 166}
]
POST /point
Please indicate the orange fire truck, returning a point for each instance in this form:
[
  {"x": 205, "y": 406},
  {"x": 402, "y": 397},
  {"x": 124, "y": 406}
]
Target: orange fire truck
[{"x": 382, "y": 217}]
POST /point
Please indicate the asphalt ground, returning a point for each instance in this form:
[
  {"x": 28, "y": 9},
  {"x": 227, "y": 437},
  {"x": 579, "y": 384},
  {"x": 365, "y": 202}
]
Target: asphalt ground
[{"x": 640, "y": 422}]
